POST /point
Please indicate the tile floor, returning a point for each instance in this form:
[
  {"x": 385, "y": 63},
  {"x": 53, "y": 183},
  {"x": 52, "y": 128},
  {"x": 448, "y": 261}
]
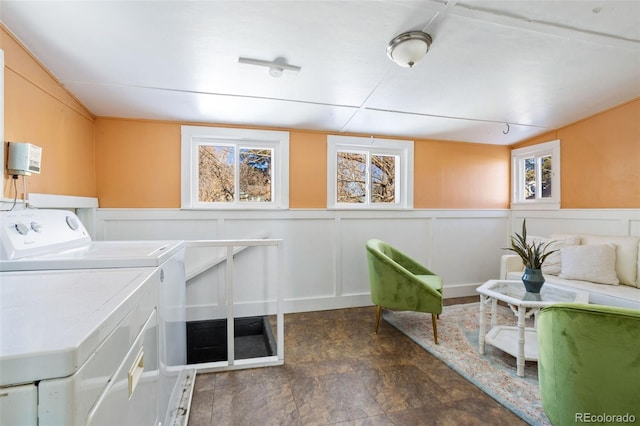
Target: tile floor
[{"x": 337, "y": 371}]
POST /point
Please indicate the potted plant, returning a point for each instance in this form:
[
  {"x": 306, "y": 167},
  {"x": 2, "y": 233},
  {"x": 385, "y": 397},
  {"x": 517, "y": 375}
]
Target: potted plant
[{"x": 533, "y": 256}]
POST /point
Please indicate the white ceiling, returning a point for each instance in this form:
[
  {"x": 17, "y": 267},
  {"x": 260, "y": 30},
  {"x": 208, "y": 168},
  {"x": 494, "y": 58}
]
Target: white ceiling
[{"x": 536, "y": 65}]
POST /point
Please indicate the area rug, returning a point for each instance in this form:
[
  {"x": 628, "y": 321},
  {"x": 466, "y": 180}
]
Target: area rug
[{"x": 494, "y": 372}]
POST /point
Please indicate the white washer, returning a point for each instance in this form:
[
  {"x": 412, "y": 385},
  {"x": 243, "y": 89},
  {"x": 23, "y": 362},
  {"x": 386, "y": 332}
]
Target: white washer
[{"x": 46, "y": 240}]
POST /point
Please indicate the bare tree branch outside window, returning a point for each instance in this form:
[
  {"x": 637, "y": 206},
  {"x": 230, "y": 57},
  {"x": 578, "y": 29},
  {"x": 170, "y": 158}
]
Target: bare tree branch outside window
[
  {"x": 383, "y": 172},
  {"x": 530, "y": 178},
  {"x": 546, "y": 172},
  {"x": 352, "y": 177},
  {"x": 255, "y": 174},
  {"x": 531, "y": 172},
  {"x": 352, "y": 174},
  {"x": 216, "y": 181}
]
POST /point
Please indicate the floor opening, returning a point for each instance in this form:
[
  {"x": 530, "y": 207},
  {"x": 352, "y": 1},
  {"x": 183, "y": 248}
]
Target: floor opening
[{"x": 207, "y": 340}]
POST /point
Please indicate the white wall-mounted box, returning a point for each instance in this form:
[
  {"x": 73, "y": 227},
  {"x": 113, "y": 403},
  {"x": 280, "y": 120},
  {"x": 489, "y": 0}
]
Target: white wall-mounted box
[{"x": 24, "y": 158}]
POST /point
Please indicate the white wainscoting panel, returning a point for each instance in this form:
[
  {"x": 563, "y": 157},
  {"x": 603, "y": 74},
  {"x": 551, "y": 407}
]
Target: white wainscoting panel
[
  {"x": 578, "y": 221},
  {"x": 309, "y": 252},
  {"x": 206, "y": 295},
  {"x": 409, "y": 234},
  {"x": 634, "y": 227},
  {"x": 324, "y": 250},
  {"x": 465, "y": 250}
]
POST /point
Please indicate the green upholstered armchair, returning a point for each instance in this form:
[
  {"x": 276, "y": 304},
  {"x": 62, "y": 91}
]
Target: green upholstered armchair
[
  {"x": 589, "y": 363},
  {"x": 400, "y": 283}
]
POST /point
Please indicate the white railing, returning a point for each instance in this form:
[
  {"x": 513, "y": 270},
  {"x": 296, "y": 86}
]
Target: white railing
[{"x": 232, "y": 248}]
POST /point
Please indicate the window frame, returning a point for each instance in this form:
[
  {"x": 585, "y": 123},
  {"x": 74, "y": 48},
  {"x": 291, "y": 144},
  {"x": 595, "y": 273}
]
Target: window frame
[
  {"x": 194, "y": 136},
  {"x": 403, "y": 149},
  {"x": 538, "y": 151}
]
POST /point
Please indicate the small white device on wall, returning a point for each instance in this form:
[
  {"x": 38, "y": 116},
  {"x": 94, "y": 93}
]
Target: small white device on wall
[{"x": 23, "y": 159}]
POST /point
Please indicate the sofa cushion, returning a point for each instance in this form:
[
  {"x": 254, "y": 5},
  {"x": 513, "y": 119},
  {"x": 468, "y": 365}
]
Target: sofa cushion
[
  {"x": 626, "y": 255},
  {"x": 612, "y": 295},
  {"x": 594, "y": 262},
  {"x": 553, "y": 263}
]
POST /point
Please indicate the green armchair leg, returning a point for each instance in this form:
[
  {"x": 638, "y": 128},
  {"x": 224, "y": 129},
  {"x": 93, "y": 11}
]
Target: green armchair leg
[{"x": 378, "y": 314}]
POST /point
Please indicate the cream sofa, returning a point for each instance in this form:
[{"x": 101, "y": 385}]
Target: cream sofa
[{"x": 608, "y": 267}]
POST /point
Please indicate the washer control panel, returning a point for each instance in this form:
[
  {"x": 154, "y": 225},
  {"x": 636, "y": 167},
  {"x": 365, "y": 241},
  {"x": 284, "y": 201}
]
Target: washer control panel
[{"x": 36, "y": 232}]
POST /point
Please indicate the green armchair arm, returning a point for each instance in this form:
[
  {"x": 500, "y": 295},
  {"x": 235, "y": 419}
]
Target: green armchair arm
[{"x": 588, "y": 361}]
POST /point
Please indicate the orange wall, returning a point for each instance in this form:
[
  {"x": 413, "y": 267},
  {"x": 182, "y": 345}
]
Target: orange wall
[
  {"x": 459, "y": 175},
  {"x": 40, "y": 111},
  {"x": 600, "y": 159},
  {"x": 307, "y": 170},
  {"x": 138, "y": 165}
]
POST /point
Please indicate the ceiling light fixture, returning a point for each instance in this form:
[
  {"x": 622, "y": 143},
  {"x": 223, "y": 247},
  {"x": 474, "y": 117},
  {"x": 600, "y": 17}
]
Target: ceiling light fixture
[
  {"x": 276, "y": 67},
  {"x": 408, "y": 48}
]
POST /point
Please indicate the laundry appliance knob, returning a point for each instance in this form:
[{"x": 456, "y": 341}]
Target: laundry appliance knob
[
  {"x": 22, "y": 228},
  {"x": 73, "y": 223}
]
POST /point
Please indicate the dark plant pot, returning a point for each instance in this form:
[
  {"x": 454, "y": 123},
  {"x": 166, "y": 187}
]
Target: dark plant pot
[{"x": 533, "y": 280}]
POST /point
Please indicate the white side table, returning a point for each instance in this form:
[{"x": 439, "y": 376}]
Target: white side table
[{"x": 519, "y": 341}]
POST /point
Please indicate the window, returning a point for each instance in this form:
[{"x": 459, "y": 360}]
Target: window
[
  {"x": 234, "y": 168},
  {"x": 536, "y": 176},
  {"x": 369, "y": 173}
]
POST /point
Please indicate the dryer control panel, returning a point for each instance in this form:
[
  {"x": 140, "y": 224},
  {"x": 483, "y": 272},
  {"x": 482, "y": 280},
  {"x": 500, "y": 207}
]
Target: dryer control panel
[{"x": 37, "y": 232}]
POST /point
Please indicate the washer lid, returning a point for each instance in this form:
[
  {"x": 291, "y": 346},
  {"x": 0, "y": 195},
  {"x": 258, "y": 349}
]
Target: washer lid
[
  {"x": 100, "y": 254},
  {"x": 51, "y": 322}
]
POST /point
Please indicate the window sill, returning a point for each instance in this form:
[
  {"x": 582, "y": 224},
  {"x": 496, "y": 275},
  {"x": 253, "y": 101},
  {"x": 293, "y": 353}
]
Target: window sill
[
  {"x": 236, "y": 208},
  {"x": 535, "y": 206},
  {"x": 369, "y": 207}
]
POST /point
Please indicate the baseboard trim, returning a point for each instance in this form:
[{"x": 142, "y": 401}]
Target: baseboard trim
[
  {"x": 201, "y": 312},
  {"x": 327, "y": 303},
  {"x": 460, "y": 290}
]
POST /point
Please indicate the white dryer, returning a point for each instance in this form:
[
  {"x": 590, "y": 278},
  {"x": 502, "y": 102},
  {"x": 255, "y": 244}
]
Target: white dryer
[
  {"x": 48, "y": 240},
  {"x": 79, "y": 347}
]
